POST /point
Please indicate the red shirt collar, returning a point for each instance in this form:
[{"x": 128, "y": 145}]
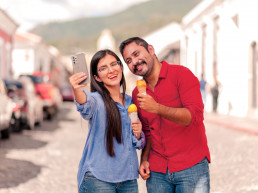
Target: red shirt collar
[
  {"x": 162, "y": 74},
  {"x": 164, "y": 70}
]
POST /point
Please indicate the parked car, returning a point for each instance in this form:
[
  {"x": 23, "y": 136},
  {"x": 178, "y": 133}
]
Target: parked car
[
  {"x": 5, "y": 111},
  {"x": 67, "y": 93},
  {"x": 50, "y": 94},
  {"x": 33, "y": 109},
  {"x": 14, "y": 90}
]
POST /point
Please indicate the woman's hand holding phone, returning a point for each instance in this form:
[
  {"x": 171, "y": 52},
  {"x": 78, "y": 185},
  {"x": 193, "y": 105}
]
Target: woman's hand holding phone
[{"x": 75, "y": 81}]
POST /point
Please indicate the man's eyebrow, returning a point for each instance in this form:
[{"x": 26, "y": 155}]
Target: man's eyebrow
[
  {"x": 129, "y": 57},
  {"x": 134, "y": 52}
]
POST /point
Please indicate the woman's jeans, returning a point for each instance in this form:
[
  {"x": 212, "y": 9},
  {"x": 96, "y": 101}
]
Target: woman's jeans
[
  {"x": 192, "y": 180},
  {"x": 91, "y": 184}
]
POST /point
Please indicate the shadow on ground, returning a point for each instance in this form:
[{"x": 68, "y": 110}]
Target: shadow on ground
[{"x": 14, "y": 172}]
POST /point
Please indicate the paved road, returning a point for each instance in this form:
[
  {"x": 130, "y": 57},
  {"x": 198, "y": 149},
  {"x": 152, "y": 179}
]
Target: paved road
[
  {"x": 45, "y": 160},
  {"x": 234, "y": 154}
]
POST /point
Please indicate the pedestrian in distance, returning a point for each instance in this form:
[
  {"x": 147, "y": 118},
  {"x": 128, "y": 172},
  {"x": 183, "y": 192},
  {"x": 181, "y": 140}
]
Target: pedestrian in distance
[
  {"x": 109, "y": 161},
  {"x": 203, "y": 84},
  {"x": 215, "y": 95},
  {"x": 176, "y": 155}
]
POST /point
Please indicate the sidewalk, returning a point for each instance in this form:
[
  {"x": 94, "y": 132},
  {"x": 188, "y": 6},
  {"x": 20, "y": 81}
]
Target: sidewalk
[{"x": 249, "y": 125}]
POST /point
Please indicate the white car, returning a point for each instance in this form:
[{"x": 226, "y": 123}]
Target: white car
[
  {"x": 33, "y": 110},
  {"x": 5, "y": 111}
]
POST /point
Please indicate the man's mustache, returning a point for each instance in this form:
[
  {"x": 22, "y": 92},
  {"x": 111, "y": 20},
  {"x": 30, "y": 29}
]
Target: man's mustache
[{"x": 137, "y": 64}]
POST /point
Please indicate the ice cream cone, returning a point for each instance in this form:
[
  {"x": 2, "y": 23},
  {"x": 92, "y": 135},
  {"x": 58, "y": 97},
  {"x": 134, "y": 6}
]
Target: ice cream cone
[
  {"x": 132, "y": 110},
  {"x": 133, "y": 116},
  {"x": 141, "y": 86}
]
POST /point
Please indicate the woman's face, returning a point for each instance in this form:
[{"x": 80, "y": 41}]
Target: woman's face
[{"x": 109, "y": 71}]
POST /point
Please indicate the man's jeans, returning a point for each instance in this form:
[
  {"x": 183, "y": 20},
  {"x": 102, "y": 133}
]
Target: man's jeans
[
  {"x": 91, "y": 184},
  {"x": 192, "y": 180}
]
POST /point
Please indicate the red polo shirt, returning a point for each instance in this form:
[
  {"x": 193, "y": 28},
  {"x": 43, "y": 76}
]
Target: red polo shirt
[{"x": 175, "y": 146}]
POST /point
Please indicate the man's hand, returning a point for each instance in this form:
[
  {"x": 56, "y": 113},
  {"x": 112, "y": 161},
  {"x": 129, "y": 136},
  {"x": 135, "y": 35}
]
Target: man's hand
[
  {"x": 144, "y": 170},
  {"x": 147, "y": 103},
  {"x": 180, "y": 115}
]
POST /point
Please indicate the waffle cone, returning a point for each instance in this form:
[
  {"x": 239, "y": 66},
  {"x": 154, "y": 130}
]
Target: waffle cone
[
  {"x": 142, "y": 89},
  {"x": 133, "y": 116}
]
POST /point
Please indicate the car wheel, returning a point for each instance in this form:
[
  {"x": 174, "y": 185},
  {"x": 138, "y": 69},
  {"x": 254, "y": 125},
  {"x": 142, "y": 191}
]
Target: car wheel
[
  {"x": 49, "y": 116},
  {"x": 5, "y": 134},
  {"x": 40, "y": 119},
  {"x": 15, "y": 125},
  {"x": 31, "y": 123}
]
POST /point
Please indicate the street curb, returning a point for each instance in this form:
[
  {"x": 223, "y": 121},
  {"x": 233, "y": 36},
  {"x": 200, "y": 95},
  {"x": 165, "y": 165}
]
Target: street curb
[{"x": 232, "y": 126}]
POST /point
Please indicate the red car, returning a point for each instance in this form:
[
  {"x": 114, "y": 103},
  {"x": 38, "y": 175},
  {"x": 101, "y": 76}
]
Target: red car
[
  {"x": 50, "y": 94},
  {"x": 27, "y": 105},
  {"x": 67, "y": 93}
]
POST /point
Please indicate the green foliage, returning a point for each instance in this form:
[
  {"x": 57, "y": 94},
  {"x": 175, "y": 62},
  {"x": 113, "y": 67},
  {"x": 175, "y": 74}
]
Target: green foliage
[{"x": 138, "y": 20}]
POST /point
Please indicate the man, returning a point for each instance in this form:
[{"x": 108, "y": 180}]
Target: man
[{"x": 175, "y": 158}]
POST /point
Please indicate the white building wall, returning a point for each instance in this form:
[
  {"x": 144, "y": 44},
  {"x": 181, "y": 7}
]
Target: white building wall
[
  {"x": 233, "y": 49},
  {"x": 232, "y": 65},
  {"x": 1, "y": 58},
  {"x": 8, "y": 52},
  {"x": 23, "y": 61},
  {"x": 30, "y": 55},
  {"x": 249, "y": 27}
]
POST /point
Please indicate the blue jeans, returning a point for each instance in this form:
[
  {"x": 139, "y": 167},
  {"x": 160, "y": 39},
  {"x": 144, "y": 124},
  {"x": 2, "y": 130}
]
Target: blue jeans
[
  {"x": 91, "y": 184},
  {"x": 192, "y": 180}
]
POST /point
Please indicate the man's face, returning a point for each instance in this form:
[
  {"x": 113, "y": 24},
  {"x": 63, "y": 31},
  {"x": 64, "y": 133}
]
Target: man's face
[{"x": 138, "y": 59}]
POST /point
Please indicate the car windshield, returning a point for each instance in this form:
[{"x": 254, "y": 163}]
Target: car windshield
[{"x": 9, "y": 83}]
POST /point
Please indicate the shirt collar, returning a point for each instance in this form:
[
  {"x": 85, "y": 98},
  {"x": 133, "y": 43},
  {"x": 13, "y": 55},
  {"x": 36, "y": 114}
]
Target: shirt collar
[
  {"x": 163, "y": 70},
  {"x": 128, "y": 101}
]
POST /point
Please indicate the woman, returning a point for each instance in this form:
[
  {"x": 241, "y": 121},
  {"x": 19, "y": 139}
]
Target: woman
[{"x": 109, "y": 162}]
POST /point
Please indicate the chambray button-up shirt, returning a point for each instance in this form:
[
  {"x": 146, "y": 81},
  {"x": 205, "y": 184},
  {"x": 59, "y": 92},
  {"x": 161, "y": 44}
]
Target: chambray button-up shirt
[{"x": 122, "y": 167}]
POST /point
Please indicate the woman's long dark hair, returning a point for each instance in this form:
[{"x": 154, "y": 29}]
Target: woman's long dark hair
[{"x": 114, "y": 128}]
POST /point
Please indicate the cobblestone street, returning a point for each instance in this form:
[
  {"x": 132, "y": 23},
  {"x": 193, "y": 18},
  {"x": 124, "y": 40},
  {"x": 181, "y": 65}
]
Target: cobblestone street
[
  {"x": 45, "y": 160},
  {"x": 234, "y": 158}
]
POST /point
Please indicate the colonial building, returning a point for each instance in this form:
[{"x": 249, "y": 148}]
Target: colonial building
[
  {"x": 7, "y": 30},
  {"x": 219, "y": 41},
  {"x": 166, "y": 42},
  {"x": 31, "y": 54}
]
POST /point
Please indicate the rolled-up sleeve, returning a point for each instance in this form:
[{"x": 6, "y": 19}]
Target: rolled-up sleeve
[
  {"x": 139, "y": 144},
  {"x": 189, "y": 89},
  {"x": 87, "y": 109}
]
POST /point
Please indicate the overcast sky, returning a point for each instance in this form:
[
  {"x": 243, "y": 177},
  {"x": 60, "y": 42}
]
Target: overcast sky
[{"x": 28, "y": 13}]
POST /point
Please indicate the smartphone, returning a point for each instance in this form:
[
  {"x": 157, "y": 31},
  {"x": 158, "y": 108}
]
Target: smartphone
[{"x": 79, "y": 65}]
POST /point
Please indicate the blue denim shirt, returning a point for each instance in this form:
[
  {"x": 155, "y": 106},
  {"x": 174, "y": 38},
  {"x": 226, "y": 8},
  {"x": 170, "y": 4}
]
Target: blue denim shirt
[{"x": 122, "y": 167}]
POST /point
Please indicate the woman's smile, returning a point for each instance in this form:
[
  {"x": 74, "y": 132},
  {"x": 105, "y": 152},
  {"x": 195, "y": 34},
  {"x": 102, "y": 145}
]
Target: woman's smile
[{"x": 113, "y": 77}]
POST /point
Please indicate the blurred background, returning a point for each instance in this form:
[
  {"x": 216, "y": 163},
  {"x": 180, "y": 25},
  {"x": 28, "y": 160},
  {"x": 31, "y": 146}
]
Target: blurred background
[{"x": 215, "y": 39}]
